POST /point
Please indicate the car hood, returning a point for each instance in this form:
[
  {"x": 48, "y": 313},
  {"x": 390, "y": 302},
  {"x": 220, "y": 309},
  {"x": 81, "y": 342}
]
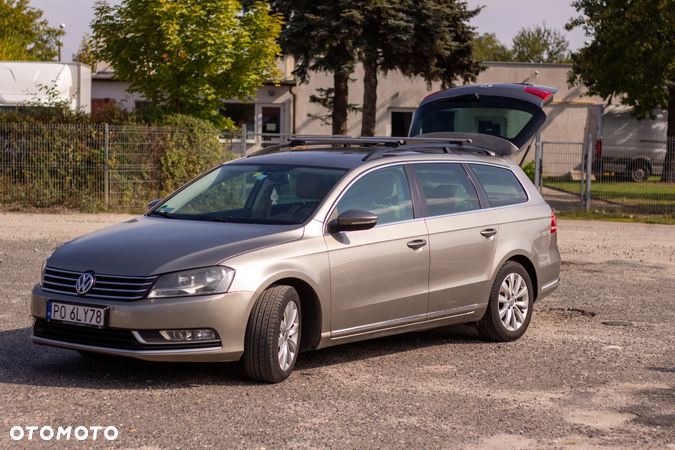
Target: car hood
[{"x": 153, "y": 245}]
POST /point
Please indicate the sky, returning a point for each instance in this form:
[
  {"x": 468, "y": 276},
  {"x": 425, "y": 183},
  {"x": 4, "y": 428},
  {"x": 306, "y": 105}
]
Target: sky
[
  {"x": 503, "y": 17},
  {"x": 506, "y": 17}
]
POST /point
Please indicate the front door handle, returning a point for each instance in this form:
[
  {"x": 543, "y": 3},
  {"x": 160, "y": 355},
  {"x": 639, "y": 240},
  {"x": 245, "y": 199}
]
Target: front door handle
[
  {"x": 417, "y": 244},
  {"x": 488, "y": 233}
]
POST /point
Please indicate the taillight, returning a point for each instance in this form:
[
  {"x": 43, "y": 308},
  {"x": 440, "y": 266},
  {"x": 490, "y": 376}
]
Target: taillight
[
  {"x": 544, "y": 95},
  {"x": 598, "y": 148},
  {"x": 434, "y": 94},
  {"x": 554, "y": 223}
]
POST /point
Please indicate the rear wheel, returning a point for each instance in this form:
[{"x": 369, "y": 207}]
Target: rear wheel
[
  {"x": 639, "y": 172},
  {"x": 273, "y": 335},
  {"x": 510, "y": 305}
]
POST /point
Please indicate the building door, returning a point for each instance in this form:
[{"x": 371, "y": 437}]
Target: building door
[{"x": 271, "y": 121}]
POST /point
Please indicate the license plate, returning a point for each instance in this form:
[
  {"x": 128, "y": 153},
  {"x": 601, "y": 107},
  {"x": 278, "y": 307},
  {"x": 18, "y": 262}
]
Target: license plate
[{"x": 85, "y": 315}]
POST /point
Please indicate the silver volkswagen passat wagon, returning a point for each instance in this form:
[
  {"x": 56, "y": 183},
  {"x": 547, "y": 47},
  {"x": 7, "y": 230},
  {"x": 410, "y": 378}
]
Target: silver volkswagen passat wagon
[{"x": 315, "y": 243}]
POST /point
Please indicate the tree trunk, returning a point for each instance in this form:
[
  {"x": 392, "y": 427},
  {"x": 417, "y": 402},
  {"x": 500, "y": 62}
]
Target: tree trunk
[
  {"x": 340, "y": 102},
  {"x": 668, "y": 175},
  {"x": 369, "y": 94}
]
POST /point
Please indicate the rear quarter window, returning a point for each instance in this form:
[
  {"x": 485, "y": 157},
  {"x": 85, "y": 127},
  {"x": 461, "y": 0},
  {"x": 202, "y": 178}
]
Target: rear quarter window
[{"x": 500, "y": 185}]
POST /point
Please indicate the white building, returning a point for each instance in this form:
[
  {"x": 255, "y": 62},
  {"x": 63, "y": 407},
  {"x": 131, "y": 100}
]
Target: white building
[{"x": 286, "y": 109}]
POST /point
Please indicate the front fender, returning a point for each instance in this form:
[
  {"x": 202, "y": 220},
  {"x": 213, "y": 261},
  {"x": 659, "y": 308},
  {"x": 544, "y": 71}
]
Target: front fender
[{"x": 305, "y": 260}]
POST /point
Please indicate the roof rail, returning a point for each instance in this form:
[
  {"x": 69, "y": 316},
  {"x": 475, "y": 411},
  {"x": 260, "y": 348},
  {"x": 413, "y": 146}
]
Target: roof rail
[
  {"x": 387, "y": 143},
  {"x": 444, "y": 148}
]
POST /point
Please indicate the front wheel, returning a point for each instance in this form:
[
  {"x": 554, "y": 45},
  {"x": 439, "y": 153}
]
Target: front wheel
[
  {"x": 510, "y": 305},
  {"x": 273, "y": 334}
]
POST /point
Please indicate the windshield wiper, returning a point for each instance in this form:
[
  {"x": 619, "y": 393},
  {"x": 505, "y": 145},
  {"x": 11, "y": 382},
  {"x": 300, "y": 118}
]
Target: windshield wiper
[
  {"x": 226, "y": 219},
  {"x": 165, "y": 214}
]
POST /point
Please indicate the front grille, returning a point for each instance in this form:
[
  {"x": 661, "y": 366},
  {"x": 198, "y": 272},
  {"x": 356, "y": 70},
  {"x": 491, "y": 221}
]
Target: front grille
[
  {"x": 110, "y": 287},
  {"x": 115, "y": 338}
]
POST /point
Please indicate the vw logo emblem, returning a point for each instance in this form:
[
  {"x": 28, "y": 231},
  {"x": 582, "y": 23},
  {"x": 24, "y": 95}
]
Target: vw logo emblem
[{"x": 85, "y": 283}]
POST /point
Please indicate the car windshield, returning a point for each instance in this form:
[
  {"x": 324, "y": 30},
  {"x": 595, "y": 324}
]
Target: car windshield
[
  {"x": 253, "y": 193},
  {"x": 512, "y": 119}
]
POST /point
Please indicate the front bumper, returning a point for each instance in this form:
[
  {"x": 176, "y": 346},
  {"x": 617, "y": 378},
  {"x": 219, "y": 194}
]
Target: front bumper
[{"x": 227, "y": 314}]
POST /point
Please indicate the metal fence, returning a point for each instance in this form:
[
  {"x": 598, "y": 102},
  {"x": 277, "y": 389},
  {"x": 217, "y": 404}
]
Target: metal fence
[
  {"x": 94, "y": 167},
  {"x": 87, "y": 167},
  {"x": 624, "y": 175}
]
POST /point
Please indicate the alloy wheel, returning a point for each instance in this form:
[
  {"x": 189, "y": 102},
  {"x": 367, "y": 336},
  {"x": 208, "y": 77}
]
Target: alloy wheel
[
  {"x": 513, "y": 301},
  {"x": 288, "y": 336}
]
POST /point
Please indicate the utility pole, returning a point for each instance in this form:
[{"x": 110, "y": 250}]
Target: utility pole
[{"x": 62, "y": 26}]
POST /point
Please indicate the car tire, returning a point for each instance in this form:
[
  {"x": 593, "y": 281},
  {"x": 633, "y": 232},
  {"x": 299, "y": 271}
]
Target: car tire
[
  {"x": 272, "y": 340},
  {"x": 509, "y": 307},
  {"x": 639, "y": 173}
]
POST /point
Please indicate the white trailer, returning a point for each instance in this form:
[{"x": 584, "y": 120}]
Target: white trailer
[{"x": 28, "y": 82}]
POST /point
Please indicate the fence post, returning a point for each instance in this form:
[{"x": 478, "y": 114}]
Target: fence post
[
  {"x": 589, "y": 170},
  {"x": 243, "y": 140},
  {"x": 537, "y": 163},
  {"x": 106, "y": 179},
  {"x": 581, "y": 176}
]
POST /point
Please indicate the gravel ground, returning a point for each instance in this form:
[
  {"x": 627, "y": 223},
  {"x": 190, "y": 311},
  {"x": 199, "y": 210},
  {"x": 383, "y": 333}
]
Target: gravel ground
[{"x": 596, "y": 369}]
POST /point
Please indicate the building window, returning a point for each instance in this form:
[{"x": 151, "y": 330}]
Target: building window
[
  {"x": 400, "y": 122},
  {"x": 492, "y": 126},
  {"x": 140, "y": 105},
  {"x": 242, "y": 114}
]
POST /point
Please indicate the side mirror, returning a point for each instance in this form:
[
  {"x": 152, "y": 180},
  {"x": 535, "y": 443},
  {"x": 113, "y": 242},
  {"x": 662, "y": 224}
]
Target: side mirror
[
  {"x": 352, "y": 220},
  {"x": 153, "y": 203}
]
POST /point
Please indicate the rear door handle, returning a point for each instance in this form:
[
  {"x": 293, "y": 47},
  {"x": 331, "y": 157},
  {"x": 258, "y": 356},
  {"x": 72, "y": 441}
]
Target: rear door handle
[
  {"x": 417, "y": 244},
  {"x": 488, "y": 233}
]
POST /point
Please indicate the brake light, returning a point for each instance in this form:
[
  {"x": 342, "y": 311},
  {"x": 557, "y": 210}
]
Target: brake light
[
  {"x": 554, "y": 223},
  {"x": 544, "y": 95},
  {"x": 434, "y": 94},
  {"x": 598, "y": 148}
]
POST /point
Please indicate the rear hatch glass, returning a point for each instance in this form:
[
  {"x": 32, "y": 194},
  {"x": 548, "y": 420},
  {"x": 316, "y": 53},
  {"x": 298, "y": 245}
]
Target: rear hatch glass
[{"x": 511, "y": 119}]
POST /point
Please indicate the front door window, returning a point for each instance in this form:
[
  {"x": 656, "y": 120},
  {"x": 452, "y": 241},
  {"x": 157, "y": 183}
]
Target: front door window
[{"x": 384, "y": 192}]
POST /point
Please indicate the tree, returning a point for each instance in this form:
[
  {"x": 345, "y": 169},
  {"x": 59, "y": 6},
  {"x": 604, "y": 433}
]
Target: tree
[
  {"x": 322, "y": 36},
  {"x": 427, "y": 38},
  {"x": 85, "y": 53},
  {"x": 540, "y": 44},
  {"x": 24, "y": 36},
  {"x": 187, "y": 56},
  {"x": 631, "y": 56},
  {"x": 488, "y": 48}
]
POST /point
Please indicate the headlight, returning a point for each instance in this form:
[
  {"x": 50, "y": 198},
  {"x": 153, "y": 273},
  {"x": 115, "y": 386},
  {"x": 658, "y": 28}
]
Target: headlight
[
  {"x": 209, "y": 280},
  {"x": 44, "y": 265}
]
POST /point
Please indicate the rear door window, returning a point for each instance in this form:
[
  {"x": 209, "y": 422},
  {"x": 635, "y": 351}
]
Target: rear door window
[
  {"x": 446, "y": 189},
  {"x": 501, "y": 186}
]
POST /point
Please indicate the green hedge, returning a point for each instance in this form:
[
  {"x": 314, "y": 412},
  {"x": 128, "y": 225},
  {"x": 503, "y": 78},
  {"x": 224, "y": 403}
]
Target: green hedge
[{"x": 45, "y": 162}]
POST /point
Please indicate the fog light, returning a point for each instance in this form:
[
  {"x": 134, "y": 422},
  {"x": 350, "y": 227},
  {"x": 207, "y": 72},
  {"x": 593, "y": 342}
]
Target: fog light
[{"x": 189, "y": 335}]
